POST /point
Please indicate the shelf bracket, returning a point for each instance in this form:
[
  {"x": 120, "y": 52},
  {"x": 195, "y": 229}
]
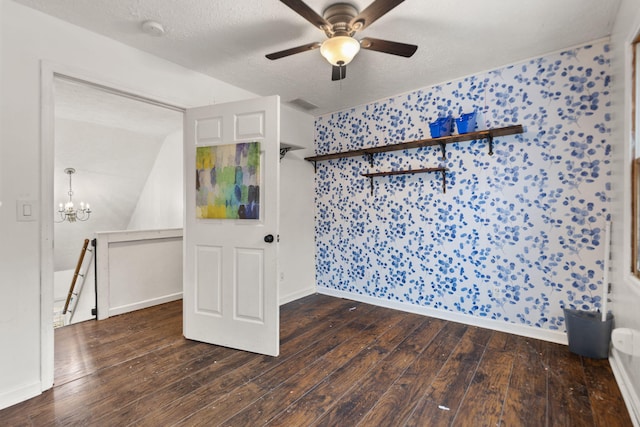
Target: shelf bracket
[
  {"x": 284, "y": 151},
  {"x": 315, "y": 166},
  {"x": 443, "y": 147},
  {"x": 490, "y": 139},
  {"x": 444, "y": 182},
  {"x": 369, "y": 156},
  {"x": 371, "y": 184}
]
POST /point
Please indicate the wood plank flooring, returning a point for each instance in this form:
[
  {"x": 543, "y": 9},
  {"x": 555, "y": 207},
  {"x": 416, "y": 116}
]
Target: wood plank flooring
[{"x": 342, "y": 363}]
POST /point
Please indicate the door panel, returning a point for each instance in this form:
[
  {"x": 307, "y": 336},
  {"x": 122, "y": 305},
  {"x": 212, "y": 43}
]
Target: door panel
[
  {"x": 250, "y": 125},
  {"x": 250, "y": 286},
  {"x": 230, "y": 274},
  {"x": 209, "y": 280},
  {"x": 209, "y": 130}
]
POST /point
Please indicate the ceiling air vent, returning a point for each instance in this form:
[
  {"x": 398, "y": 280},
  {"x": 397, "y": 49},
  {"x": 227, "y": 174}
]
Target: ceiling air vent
[{"x": 303, "y": 105}]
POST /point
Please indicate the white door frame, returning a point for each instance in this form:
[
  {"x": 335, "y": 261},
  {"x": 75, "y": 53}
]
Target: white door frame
[{"x": 48, "y": 72}]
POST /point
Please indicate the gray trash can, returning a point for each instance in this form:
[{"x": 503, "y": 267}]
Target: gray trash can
[{"x": 588, "y": 335}]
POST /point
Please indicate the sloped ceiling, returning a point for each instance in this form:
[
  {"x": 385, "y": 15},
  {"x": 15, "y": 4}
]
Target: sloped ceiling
[
  {"x": 112, "y": 142},
  {"x": 228, "y": 39}
]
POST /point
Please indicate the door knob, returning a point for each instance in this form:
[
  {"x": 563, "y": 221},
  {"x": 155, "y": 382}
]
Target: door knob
[{"x": 268, "y": 238}]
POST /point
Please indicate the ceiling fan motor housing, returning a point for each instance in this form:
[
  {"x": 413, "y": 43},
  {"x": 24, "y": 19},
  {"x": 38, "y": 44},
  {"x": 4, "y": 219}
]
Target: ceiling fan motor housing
[{"x": 340, "y": 15}]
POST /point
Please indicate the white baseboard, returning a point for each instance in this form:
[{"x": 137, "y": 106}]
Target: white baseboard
[
  {"x": 629, "y": 394},
  {"x": 297, "y": 295},
  {"x": 12, "y": 397},
  {"x": 496, "y": 325},
  {"x": 114, "y": 311}
]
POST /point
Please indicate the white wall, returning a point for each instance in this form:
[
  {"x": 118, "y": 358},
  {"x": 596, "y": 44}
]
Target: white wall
[
  {"x": 138, "y": 269},
  {"x": 29, "y": 38},
  {"x": 161, "y": 202},
  {"x": 91, "y": 149},
  {"x": 625, "y": 288},
  {"x": 297, "y": 245}
]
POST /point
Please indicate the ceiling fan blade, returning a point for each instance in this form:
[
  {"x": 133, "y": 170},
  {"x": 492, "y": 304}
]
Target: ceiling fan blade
[
  {"x": 293, "y": 51},
  {"x": 307, "y": 13},
  {"x": 338, "y": 72},
  {"x": 374, "y": 11},
  {"x": 386, "y": 46}
]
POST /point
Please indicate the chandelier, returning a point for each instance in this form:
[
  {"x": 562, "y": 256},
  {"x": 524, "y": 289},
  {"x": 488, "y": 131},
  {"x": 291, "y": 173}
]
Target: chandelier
[{"x": 67, "y": 211}]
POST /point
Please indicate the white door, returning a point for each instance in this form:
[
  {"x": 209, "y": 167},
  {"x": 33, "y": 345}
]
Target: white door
[{"x": 231, "y": 225}]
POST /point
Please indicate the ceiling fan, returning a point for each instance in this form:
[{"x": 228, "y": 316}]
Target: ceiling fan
[{"x": 340, "y": 22}]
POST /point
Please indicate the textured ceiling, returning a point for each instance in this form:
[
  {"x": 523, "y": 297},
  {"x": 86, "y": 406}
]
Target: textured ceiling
[
  {"x": 85, "y": 103},
  {"x": 228, "y": 39}
]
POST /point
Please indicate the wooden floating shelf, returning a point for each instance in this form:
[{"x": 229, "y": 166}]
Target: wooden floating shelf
[
  {"x": 488, "y": 134},
  {"x": 406, "y": 172}
]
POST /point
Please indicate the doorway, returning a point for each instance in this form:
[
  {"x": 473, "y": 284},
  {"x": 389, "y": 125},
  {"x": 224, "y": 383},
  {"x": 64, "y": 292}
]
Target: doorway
[
  {"x": 123, "y": 148},
  {"x": 127, "y": 157}
]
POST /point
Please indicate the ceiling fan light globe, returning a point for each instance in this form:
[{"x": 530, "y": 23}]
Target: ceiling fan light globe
[{"x": 340, "y": 50}]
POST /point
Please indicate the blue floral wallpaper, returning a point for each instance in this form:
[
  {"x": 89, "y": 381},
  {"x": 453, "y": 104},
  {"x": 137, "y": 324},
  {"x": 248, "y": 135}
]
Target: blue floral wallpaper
[{"x": 517, "y": 235}]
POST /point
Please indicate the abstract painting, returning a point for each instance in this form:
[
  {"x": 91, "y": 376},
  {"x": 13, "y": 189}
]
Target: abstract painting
[{"x": 228, "y": 181}]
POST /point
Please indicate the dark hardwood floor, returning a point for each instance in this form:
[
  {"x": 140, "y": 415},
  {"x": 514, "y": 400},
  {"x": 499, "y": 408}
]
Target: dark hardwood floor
[{"x": 342, "y": 363}]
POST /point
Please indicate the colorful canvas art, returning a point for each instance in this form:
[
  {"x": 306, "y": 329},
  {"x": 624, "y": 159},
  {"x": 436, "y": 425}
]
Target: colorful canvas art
[{"x": 228, "y": 181}]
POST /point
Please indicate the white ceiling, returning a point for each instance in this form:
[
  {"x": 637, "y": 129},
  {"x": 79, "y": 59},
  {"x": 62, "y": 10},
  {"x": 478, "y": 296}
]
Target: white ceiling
[
  {"x": 86, "y": 103},
  {"x": 228, "y": 39}
]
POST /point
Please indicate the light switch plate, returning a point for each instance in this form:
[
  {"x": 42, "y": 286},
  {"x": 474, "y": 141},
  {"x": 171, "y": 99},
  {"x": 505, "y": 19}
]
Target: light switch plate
[{"x": 27, "y": 210}]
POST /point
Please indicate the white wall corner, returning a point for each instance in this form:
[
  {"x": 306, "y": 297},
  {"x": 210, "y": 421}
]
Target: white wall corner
[
  {"x": 18, "y": 395},
  {"x": 139, "y": 305},
  {"x": 285, "y": 299}
]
